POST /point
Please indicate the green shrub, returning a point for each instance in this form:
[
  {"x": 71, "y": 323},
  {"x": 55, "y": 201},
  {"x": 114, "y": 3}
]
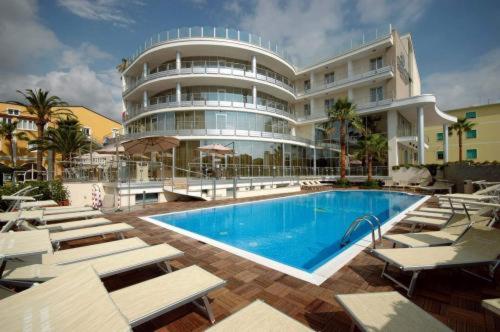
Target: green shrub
[
  {"x": 54, "y": 190},
  {"x": 374, "y": 184},
  {"x": 343, "y": 183}
]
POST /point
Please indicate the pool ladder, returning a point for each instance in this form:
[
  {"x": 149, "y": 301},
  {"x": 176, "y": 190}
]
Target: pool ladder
[{"x": 370, "y": 219}]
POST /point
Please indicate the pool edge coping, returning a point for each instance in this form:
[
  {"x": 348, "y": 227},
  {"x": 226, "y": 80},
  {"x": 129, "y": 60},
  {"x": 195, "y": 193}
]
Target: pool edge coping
[{"x": 322, "y": 273}]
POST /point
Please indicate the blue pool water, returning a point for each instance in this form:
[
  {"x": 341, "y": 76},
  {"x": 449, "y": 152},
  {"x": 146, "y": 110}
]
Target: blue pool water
[{"x": 300, "y": 231}]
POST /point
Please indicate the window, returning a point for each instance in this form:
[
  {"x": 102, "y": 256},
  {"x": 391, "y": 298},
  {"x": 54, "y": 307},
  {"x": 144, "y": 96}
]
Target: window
[
  {"x": 376, "y": 94},
  {"x": 471, "y": 154},
  {"x": 329, "y": 103},
  {"x": 376, "y": 63},
  {"x": 470, "y": 115},
  {"x": 26, "y": 125},
  {"x": 86, "y": 131},
  {"x": 440, "y": 155},
  {"x": 307, "y": 109},
  {"x": 471, "y": 134},
  {"x": 31, "y": 147},
  {"x": 307, "y": 85},
  {"x": 439, "y": 136},
  {"x": 329, "y": 78},
  {"x": 13, "y": 112}
]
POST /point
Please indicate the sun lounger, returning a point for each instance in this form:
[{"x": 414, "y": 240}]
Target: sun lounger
[
  {"x": 70, "y": 215},
  {"x": 449, "y": 234},
  {"x": 69, "y": 225},
  {"x": 492, "y": 305},
  {"x": 76, "y": 301},
  {"x": 5, "y": 292},
  {"x": 22, "y": 244},
  {"x": 429, "y": 214},
  {"x": 388, "y": 311},
  {"x": 37, "y": 204},
  {"x": 66, "y": 209},
  {"x": 470, "y": 197},
  {"x": 18, "y": 198},
  {"x": 12, "y": 218},
  {"x": 258, "y": 316},
  {"x": 104, "y": 266},
  {"x": 441, "y": 222},
  {"x": 118, "y": 229},
  {"x": 74, "y": 255},
  {"x": 480, "y": 245},
  {"x": 142, "y": 302}
]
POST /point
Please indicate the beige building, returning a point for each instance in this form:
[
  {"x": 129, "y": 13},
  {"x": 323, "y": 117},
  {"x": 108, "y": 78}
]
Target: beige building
[{"x": 480, "y": 144}]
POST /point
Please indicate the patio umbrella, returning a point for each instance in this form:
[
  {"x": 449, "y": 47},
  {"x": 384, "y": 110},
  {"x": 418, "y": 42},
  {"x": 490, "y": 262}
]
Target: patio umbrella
[
  {"x": 150, "y": 144},
  {"x": 215, "y": 149}
]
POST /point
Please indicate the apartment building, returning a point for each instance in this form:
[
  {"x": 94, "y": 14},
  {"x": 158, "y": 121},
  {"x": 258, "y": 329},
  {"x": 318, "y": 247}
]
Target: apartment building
[
  {"x": 480, "y": 144},
  {"x": 216, "y": 85},
  {"x": 97, "y": 126}
]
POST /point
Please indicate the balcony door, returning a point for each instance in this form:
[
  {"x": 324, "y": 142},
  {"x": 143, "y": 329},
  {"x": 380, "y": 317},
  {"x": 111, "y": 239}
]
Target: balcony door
[{"x": 220, "y": 121}]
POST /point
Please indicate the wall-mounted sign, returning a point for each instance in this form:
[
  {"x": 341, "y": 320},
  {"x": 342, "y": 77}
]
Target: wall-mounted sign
[{"x": 402, "y": 67}]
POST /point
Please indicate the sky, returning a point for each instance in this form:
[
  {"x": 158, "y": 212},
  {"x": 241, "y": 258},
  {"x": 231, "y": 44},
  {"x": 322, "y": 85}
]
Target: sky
[{"x": 72, "y": 47}]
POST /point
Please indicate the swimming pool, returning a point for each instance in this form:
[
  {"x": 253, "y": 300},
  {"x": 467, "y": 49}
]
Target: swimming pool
[{"x": 299, "y": 235}]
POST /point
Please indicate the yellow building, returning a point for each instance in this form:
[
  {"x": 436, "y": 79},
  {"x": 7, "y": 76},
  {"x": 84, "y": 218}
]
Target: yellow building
[
  {"x": 480, "y": 144},
  {"x": 95, "y": 125}
]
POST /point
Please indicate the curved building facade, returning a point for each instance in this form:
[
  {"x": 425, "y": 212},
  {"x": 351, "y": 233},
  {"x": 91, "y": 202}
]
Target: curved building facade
[{"x": 216, "y": 85}]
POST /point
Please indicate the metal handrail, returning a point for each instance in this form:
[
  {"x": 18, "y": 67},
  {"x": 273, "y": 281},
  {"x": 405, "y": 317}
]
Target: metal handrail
[{"x": 354, "y": 226}]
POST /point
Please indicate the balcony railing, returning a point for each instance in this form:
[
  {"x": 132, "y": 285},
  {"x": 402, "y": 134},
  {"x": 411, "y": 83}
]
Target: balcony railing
[
  {"x": 354, "y": 78},
  {"x": 211, "y": 103},
  {"x": 206, "y": 69}
]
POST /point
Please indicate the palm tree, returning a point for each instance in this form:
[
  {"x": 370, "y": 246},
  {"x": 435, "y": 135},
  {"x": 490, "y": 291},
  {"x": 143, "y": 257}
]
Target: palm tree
[
  {"x": 8, "y": 131},
  {"x": 462, "y": 125},
  {"x": 45, "y": 108},
  {"x": 374, "y": 148},
  {"x": 67, "y": 139},
  {"x": 344, "y": 113}
]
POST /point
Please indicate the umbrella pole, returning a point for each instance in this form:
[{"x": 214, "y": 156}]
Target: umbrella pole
[{"x": 213, "y": 164}]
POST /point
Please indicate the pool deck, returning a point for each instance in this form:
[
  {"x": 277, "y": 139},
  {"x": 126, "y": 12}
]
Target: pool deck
[{"x": 449, "y": 295}]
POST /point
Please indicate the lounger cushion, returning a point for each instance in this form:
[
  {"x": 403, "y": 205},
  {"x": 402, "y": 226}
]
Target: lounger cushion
[
  {"x": 71, "y": 215},
  {"x": 388, "y": 311},
  {"x": 156, "y": 296},
  {"x": 70, "y": 225},
  {"x": 89, "y": 232},
  {"x": 19, "y": 244},
  {"x": 429, "y": 214},
  {"x": 37, "y": 204},
  {"x": 104, "y": 266},
  {"x": 21, "y": 215},
  {"x": 433, "y": 222},
  {"x": 258, "y": 316},
  {"x": 492, "y": 305},
  {"x": 66, "y": 209},
  {"x": 74, "y": 255},
  {"x": 422, "y": 239},
  {"x": 76, "y": 301}
]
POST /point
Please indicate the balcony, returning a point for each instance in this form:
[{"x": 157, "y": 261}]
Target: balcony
[
  {"x": 387, "y": 70},
  {"x": 211, "y": 103},
  {"x": 205, "y": 69}
]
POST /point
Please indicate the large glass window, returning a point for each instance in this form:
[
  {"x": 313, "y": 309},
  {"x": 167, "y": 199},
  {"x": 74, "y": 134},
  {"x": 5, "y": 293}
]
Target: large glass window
[
  {"x": 439, "y": 136},
  {"x": 471, "y": 154},
  {"x": 471, "y": 134},
  {"x": 470, "y": 115},
  {"x": 329, "y": 78},
  {"x": 376, "y": 94}
]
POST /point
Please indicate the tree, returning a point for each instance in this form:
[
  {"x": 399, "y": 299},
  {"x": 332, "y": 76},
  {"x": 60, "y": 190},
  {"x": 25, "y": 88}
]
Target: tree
[
  {"x": 45, "y": 108},
  {"x": 8, "y": 131},
  {"x": 67, "y": 139},
  {"x": 461, "y": 126},
  {"x": 344, "y": 113},
  {"x": 373, "y": 147}
]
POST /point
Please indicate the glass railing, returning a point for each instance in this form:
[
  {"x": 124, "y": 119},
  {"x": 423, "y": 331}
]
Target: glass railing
[
  {"x": 269, "y": 77},
  {"x": 209, "y": 103},
  {"x": 347, "y": 80},
  {"x": 252, "y": 39}
]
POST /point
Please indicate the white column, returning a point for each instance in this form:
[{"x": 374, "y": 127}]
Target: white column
[
  {"x": 145, "y": 70},
  {"x": 178, "y": 92},
  {"x": 145, "y": 100},
  {"x": 420, "y": 133},
  {"x": 314, "y": 161},
  {"x": 350, "y": 72},
  {"x": 312, "y": 105},
  {"x": 254, "y": 95},
  {"x": 392, "y": 138},
  {"x": 124, "y": 83},
  {"x": 178, "y": 61},
  {"x": 311, "y": 79},
  {"x": 350, "y": 94},
  {"x": 445, "y": 143},
  {"x": 254, "y": 65}
]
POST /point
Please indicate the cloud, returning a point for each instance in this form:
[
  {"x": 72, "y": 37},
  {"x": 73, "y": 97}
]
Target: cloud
[
  {"x": 233, "y": 7},
  {"x": 400, "y": 13},
  {"x": 477, "y": 84},
  {"x": 100, "y": 10},
  {"x": 199, "y": 3},
  {"x": 86, "y": 53},
  {"x": 22, "y": 36},
  {"x": 79, "y": 85}
]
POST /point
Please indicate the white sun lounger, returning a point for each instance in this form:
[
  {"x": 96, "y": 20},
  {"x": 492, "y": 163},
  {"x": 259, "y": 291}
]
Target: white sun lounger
[
  {"x": 429, "y": 214},
  {"x": 258, "y": 316},
  {"x": 441, "y": 222},
  {"x": 37, "y": 204},
  {"x": 480, "y": 245},
  {"x": 104, "y": 266},
  {"x": 77, "y": 301},
  {"x": 69, "y": 225},
  {"x": 118, "y": 229},
  {"x": 23, "y": 244},
  {"x": 492, "y": 305},
  {"x": 74, "y": 255},
  {"x": 449, "y": 234},
  {"x": 388, "y": 311},
  {"x": 69, "y": 216},
  {"x": 144, "y": 301}
]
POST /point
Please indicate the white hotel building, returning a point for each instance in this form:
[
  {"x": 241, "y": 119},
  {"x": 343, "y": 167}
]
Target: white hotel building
[{"x": 216, "y": 85}]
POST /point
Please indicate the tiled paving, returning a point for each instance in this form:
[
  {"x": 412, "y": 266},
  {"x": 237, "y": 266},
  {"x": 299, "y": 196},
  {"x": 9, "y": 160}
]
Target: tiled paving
[{"x": 450, "y": 295}]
